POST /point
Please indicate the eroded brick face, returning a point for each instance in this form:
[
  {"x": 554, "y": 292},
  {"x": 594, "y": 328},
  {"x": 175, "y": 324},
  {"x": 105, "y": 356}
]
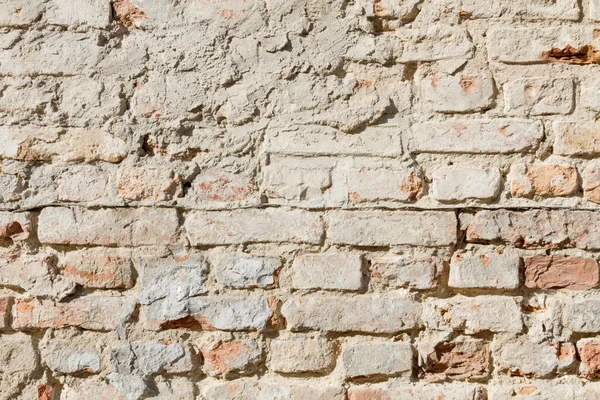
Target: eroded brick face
[{"x": 299, "y": 200}]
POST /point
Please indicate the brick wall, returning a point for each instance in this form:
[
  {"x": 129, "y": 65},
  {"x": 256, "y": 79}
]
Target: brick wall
[{"x": 299, "y": 199}]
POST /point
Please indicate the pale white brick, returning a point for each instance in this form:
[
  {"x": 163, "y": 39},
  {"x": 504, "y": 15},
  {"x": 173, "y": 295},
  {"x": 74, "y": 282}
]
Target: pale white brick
[
  {"x": 506, "y": 9},
  {"x": 539, "y": 96},
  {"x": 299, "y": 354},
  {"x": 377, "y": 358},
  {"x": 485, "y": 267},
  {"x": 459, "y": 93},
  {"x": 495, "y": 136},
  {"x": 415, "y": 271},
  {"x": 247, "y": 271},
  {"x": 372, "y": 314},
  {"x": 473, "y": 315},
  {"x": 380, "y": 228},
  {"x": 335, "y": 271},
  {"x": 253, "y": 225},
  {"x": 457, "y": 183}
]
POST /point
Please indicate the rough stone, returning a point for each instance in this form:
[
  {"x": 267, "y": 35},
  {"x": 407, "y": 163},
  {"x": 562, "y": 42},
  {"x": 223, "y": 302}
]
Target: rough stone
[{"x": 247, "y": 271}]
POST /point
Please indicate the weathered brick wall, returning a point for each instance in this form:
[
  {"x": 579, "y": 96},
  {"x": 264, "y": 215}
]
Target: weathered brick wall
[{"x": 299, "y": 199}]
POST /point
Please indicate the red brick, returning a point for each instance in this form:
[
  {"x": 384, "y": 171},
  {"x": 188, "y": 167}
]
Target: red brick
[
  {"x": 91, "y": 312},
  {"x": 559, "y": 272}
]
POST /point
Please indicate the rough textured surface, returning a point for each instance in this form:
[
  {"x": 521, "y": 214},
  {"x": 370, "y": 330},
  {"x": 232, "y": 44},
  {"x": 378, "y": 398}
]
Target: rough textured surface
[{"x": 299, "y": 199}]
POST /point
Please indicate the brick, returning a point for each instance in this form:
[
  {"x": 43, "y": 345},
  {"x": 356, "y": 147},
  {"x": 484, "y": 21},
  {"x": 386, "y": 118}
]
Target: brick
[
  {"x": 417, "y": 391},
  {"x": 384, "y": 184},
  {"x": 26, "y": 95},
  {"x": 582, "y": 316},
  {"x": 99, "y": 268},
  {"x": 532, "y": 45},
  {"x": 82, "y": 183},
  {"x": 176, "y": 278},
  {"x": 589, "y": 353},
  {"x": 377, "y": 358},
  {"x": 576, "y": 139},
  {"x": 253, "y": 226},
  {"x": 215, "y": 186},
  {"x": 558, "y": 272},
  {"x": 496, "y": 136},
  {"x": 535, "y": 360},
  {"x": 594, "y": 10},
  {"x": 58, "y": 144},
  {"x": 148, "y": 358},
  {"x": 590, "y": 95},
  {"x": 536, "y": 228},
  {"x": 438, "y": 42},
  {"x": 373, "y": 141},
  {"x": 19, "y": 362},
  {"x": 247, "y": 271},
  {"x": 459, "y": 93},
  {"x": 247, "y": 389},
  {"x": 539, "y": 96},
  {"x": 302, "y": 354},
  {"x": 456, "y": 183},
  {"x": 148, "y": 183},
  {"x": 485, "y": 267},
  {"x": 380, "y": 228},
  {"x": 99, "y": 101},
  {"x": 108, "y": 226},
  {"x": 54, "y": 52},
  {"x": 35, "y": 274},
  {"x": 547, "y": 180},
  {"x": 293, "y": 180},
  {"x": 462, "y": 358},
  {"x": 206, "y": 313},
  {"x": 231, "y": 358},
  {"x": 415, "y": 271},
  {"x": 335, "y": 271},
  {"x": 560, "y": 9},
  {"x": 591, "y": 182},
  {"x": 97, "y": 313},
  {"x": 15, "y": 226},
  {"x": 5, "y": 306},
  {"x": 369, "y": 314},
  {"x": 18, "y": 13},
  {"x": 473, "y": 315},
  {"x": 548, "y": 389},
  {"x": 95, "y": 13}
]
